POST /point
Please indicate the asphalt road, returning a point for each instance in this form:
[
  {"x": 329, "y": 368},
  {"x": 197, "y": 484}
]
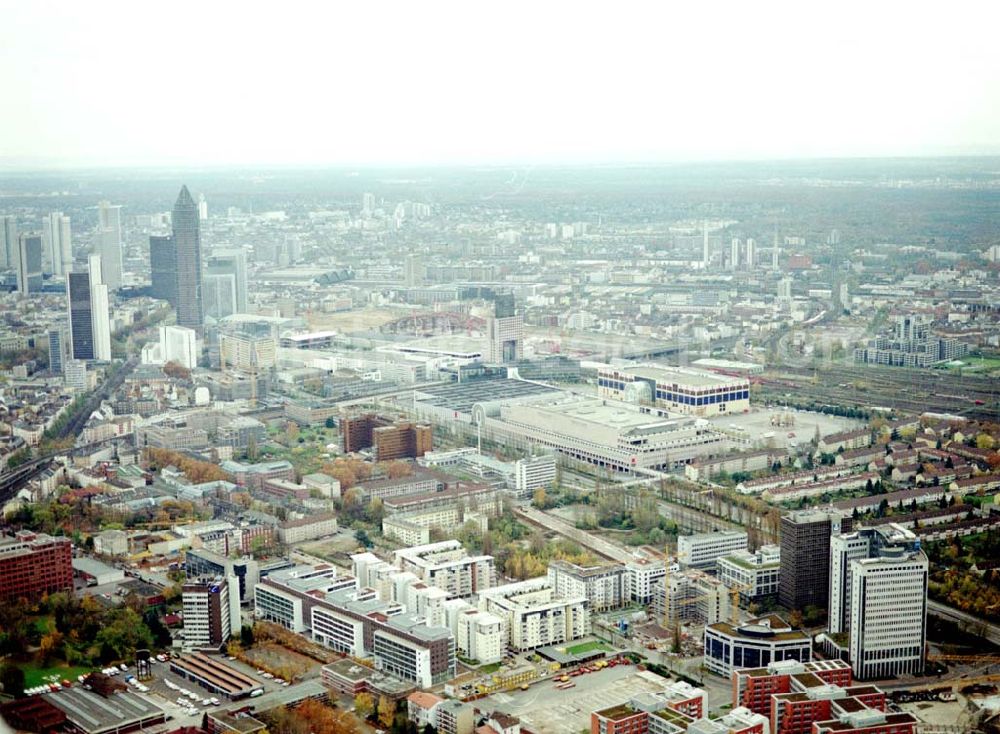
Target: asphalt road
[{"x": 969, "y": 622}]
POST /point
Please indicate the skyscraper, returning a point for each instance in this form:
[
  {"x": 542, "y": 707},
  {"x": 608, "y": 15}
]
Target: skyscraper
[
  {"x": 878, "y": 593},
  {"x": 734, "y": 254},
  {"x": 751, "y": 254},
  {"x": 367, "y": 204},
  {"x": 505, "y": 331},
  {"x": 57, "y": 350},
  {"x": 109, "y": 243},
  {"x": 57, "y": 235},
  {"x": 81, "y": 320},
  {"x": 231, "y": 262},
  {"x": 187, "y": 246},
  {"x": 28, "y": 263},
  {"x": 163, "y": 268},
  {"x": 805, "y": 557},
  {"x": 100, "y": 315},
  {"x": 704, "y": 244},
  {"x": 8, "y": 241}
]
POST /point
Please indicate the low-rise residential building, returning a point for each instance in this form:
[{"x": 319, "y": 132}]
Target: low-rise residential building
[
  {"x": 307, "y": 528},
  {"x": 753, "y": 687}
]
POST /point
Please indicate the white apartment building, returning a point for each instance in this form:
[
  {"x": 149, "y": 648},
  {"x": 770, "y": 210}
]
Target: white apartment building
[
  {"x": 448, "y": 566},
  {"x": 703, "y": 550},
  {"x": 754, "y": 574},
  {"x": 478, "y": 634},
  {"x": 603, "y": 584},
  {"x": 642, "y": 576},
  {"x": 534, "y": 616}
]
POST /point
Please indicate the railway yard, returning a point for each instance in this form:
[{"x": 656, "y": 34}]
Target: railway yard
[{"x": 907, "y": 390}]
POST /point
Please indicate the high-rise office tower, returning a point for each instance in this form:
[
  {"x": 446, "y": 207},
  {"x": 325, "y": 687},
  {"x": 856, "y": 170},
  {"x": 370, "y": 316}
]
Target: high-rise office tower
[
  {"x": 367, "y": 204},
  {"x": 100, "y": 310},
  {"x": 805, "y": 557},
  {"x": 231, "y": 262},
  {"x": 187, "y": 246},
  {"x": 219, "y": 291},
  {"x": 211, "y": 612},
  {"x": 8, "y": 241},
  {"x": 734, "y": 254},
  {"x": 878, "y": 593},
  {"x": 81, "y": 318},
  {"x": 704, "y": 244},
  {"x": 57, "y": 350},
  {"x": 751, "y": 254},
  {"x": 109, "y": 243},
  {"x": 57, "y": 236},
  {"x": 202, "y": 208},
  {"x": 28, "y": 263},
  {"x": 163, "y": 268},
  {"x": 505, "y": 331}
]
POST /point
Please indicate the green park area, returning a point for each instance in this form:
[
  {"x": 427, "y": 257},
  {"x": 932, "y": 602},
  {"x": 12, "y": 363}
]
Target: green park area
[
  {"x": 36, "y": 675},
  {"x": 585, "y": 647}
]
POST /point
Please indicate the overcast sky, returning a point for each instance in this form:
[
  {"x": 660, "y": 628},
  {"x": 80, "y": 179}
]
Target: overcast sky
[{"x": 471, "y": 82}]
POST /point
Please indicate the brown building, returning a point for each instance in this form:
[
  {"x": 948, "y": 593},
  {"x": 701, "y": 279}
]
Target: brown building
[
  {"x": 402, "y": 440},
  {"x": 356, "y": 432},
  {"x": 34, "y": 564},
  {"x": 805, "y": 556}
]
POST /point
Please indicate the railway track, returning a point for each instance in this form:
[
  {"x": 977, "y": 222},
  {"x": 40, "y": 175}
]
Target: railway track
[{"x": 908, "y": 390}]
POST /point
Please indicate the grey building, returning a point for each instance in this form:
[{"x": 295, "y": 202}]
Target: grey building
[
  {"x": 81, "y": 319},
  {"x": 29, "y": 263},
  {"x": 163, "y": 268},
  {"x": 57, "y": 350},
  {"x": 187, "y": 246},
  {"x": 805, "y": 557}
]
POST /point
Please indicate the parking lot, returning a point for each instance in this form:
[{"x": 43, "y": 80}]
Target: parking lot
[{"x": 168, "y": 696}]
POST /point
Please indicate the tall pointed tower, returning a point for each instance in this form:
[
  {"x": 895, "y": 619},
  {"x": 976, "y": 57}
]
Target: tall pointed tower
[{"x": 187, "y": 244}]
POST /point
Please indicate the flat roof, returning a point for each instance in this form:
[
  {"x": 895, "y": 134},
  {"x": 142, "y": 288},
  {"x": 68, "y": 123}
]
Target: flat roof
[
  {"x": 223, "y": 677},
  {"x": 95, "y": 714},
  {"x": 461, "y": 396}
]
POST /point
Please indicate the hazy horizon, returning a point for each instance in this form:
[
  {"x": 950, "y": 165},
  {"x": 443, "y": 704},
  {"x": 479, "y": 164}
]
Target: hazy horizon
[{"x": 123, "y": 85}]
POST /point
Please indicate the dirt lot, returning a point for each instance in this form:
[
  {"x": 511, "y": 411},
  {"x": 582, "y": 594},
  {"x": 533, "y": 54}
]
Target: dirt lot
[
  {"x": 361, "y": 319},
  {"x": 281, "y": 661}
]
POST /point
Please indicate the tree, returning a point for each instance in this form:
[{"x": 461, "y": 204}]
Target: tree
[
  {"x": 12, "y": 680},
  {"x": 539, "y": 500},
  {"x": 125, "y": 633},
  {"x": 252, "y": 451},
  {"x": 361, "y": 535},
  {"x": 364, "y": 705},
  {"x": 246, "y": 636},
  {"x": 386, "y": 711},
  {"x": 330, "y": 422},
  {"x": 177, "y": 371},
  {"x": 985, "y": 441}
]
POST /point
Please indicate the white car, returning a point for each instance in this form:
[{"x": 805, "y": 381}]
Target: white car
[
  {"x": 192, "y": 695},
  {"x": 268, "y": 676},
  {"x": 215, "y": 701}
]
